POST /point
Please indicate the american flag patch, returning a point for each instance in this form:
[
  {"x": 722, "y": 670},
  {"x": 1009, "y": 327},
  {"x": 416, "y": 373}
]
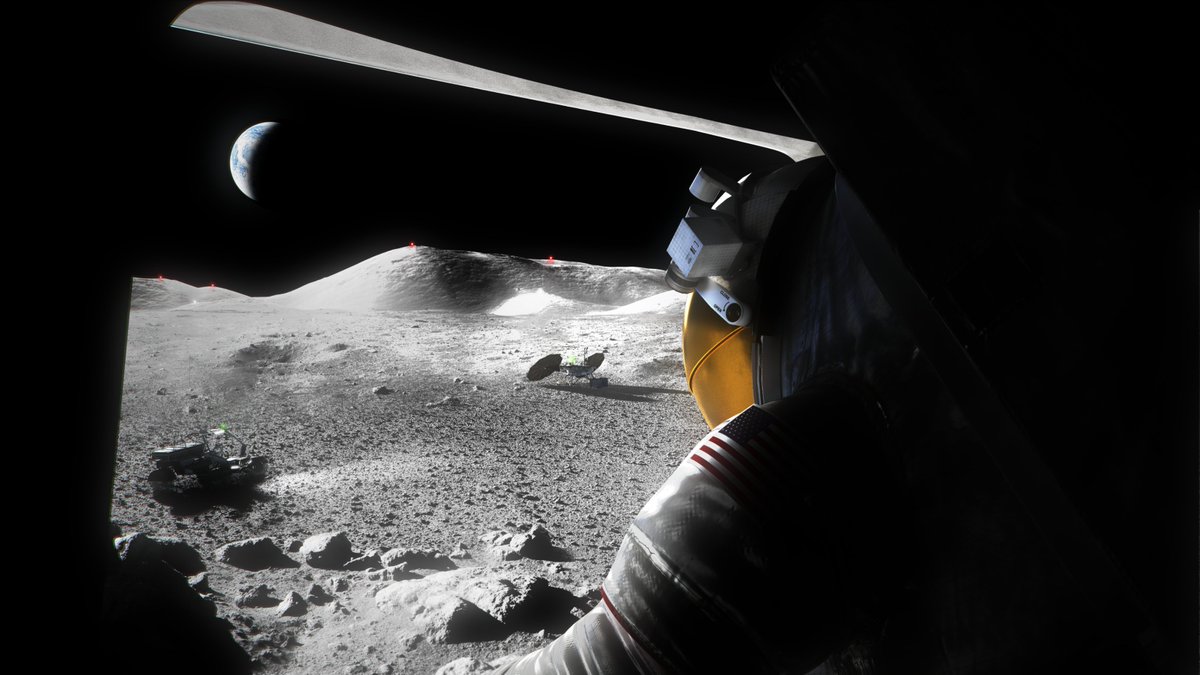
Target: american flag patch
[{"x": 751, "y": 457}]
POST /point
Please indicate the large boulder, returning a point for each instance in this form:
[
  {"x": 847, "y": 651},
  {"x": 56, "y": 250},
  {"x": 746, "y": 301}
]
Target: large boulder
[
  {"x": 176, "y": 553},
  {"x": 514, "y": 601},
  {"x": 257, "y": 553},
  {"x": 327, "y": 551},
  {"x": 443, "y": 618}
]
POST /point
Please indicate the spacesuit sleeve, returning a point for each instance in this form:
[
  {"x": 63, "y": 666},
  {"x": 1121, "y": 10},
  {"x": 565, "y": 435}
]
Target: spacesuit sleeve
[{"x": 726, "y": 569}]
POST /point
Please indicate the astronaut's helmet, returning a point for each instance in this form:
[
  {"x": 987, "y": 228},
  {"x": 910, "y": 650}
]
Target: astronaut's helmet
[{"x": 722, "y": 255}]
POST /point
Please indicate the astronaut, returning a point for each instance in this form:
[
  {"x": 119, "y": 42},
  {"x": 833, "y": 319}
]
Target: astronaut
[{"x": 864, "y": 502}]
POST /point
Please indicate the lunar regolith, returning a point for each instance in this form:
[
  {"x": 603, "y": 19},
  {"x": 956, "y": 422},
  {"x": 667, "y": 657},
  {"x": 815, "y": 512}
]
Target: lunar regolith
[{"x": 391, "y": 402}]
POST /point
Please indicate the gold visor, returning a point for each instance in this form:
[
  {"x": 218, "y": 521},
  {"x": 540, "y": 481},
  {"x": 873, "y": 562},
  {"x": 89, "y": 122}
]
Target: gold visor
[{"x": 716, "y": 358}]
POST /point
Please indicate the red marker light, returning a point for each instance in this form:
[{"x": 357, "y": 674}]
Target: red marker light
[
  {"x": 212, "y": 285},
  {"x": 160, "y": 277},
  {"x": 412, "y": 244},
  {"x": 551, "y": 260}
]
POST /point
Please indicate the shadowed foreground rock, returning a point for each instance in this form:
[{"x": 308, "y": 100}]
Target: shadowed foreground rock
[{"x": 138, "y": 596}]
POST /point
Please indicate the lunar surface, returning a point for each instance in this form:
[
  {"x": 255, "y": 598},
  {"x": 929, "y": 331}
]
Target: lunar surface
[{"x": 391, "y": 402}]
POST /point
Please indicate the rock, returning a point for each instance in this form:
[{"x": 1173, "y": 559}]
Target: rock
[
  {"x": 411, "y": 642},
  {"x": 533, "y": 544},
  {"x": 384, "y": 669},
  {"x": 518, "y": 387},
  {"x": 504, "y": 597},
  {"x": 366, "y": 562},
  {"x": 477, "y": 388},
  {"x": 506, "y": 553},
  {"x": 161, "y": 392},
  {"x": 155, "y": 603},
  {"x": 441, "y": 615},
  {"x": 496, "y": 537},
  {"x": 381, "y": 391},
  {"x": 424, "y": 559},
  {"x": 329, "y": 550},
  {"x": 190, "y": 410},
  {"x": 460, "y": 553},
  {"x": 464, "y": 666},
  {"x": 179, "y": 554},
  {"x": 513, "y": 602},
  {"x": 395, "y": 573},
  {"x": 338, "y": 347},
  {"x": 257, "y": 553},
  {"x": 458, "y": 380},
  {"x": 589, "y": 596},
  {"x": 138, "y": 547},
  {"x": 259, "y": 596},
  {"x": 317, "y": 595},
  {"x": 294, "y": 546},
  {"x": 577, "y": 613},
  {"x": 339, "y": 584},
  {"x": 199, "y": 583},
  {"x": 502, "y": 661},
  {"x": 293, "y": 605},
  {"x": 446, "y": 401}
]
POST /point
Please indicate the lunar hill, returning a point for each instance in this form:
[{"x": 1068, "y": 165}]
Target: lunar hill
[
  {"x": 430, "y": 278},
  {"x": 168, "y": 294}
]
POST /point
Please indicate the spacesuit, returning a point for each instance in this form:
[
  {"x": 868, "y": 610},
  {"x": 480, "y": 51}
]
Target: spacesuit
[
  {"x": 845, "y": 514},
  {"x": 869, "y": 500}
]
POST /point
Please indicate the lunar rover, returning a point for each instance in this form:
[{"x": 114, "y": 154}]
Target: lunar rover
[
  {"x": 206, "y": 455},
  {"x": 574, "y": 367}
]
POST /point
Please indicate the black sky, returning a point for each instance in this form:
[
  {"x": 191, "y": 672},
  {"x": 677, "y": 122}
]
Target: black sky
[{"x": 376, "y": 160}]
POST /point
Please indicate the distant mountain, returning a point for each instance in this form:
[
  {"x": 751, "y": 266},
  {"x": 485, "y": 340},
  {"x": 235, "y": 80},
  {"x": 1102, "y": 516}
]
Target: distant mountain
[
  {"x": 431, "y": 278},
  {"x": 169, "y": 294}
]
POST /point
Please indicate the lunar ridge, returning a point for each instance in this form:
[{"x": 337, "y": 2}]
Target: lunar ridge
[{"x": 431, "y": 278}]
